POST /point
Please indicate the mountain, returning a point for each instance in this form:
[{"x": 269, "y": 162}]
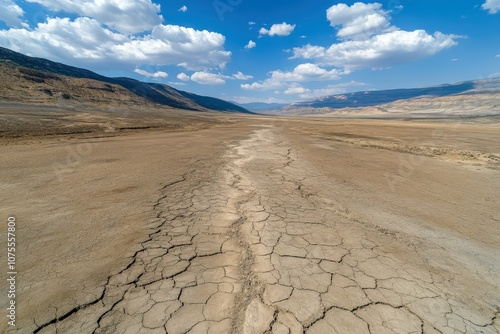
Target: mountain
[
  {"x": 374, "y": 98},
  {"x": 261, "y": 106},
  {"x": 38, "y": 80}
]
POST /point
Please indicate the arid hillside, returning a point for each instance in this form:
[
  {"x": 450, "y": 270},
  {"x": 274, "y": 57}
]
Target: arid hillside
[
  {"x": 25, "y": 85},
  {"x": 37, "y": 80},
  {"x": 461, "y": 106}
]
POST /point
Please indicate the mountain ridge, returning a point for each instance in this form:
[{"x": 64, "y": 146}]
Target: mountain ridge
[
  {"x": 43, "y": 71},
  {"x": 376, "y": 98},
  {"x": 362, "y": 99}
]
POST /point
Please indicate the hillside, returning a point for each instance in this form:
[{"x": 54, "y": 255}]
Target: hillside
[
  {"x": 465, "y": 96},
  {"x": 376, "y": 98},
  {"x": 37, "y": 80}
]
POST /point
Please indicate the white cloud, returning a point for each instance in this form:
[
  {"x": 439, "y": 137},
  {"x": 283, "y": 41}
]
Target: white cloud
[
  {"x": 125, "y": 16},
  {"x": 359, "y": 20},
  {"x": 265, "y": 85},
  {"x": 159, "y": 74},
  {"x": 380, "y": 50},
  {"x": 11, "y": 14},
  {"x": 206, "y": 78},
  {"x": 85, "y": 42},
  {"x": 369, "y": 41},
  {"x": 281, "y": 29},
  {"x": 309, "y": 51},
  {"x": 302, "y": 73},
  {"x": 183, "y": 9},
  {"x": 183, "y": 77},
  {"x": 251, "y": 44},
  {"x": 241, "y": 76},
  {"x": 296, "y": 89},
  {"x": 492, "y": 6},
  {"x": 251, "y": 23},
  {"x": 306, "y": 72}
]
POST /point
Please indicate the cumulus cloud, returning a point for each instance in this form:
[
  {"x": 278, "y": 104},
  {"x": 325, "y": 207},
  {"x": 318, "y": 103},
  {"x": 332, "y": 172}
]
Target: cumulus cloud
[
  {"x": 11, "y": 14},
  {"x": 308, "y": 51},
  {"x": 492, "y": 6},
  {"x": 241, "y": 76},
  {"x": 359, "y": 20},
  {"x": 380, "y": 50},
  {"x": 183, "y": 77},
  {"x": 124, "y": 16},
  {"x": 306, "y": 72},
  {"x": 281, "y": 29},
  {"x": 267, "y": 84},
  {"x": 86, "y": 42},
  {"x": 206, "y": 78},
  {"x": 296, "y": 89},
  {"x": 159, "y": 74},
  {"x": 183, "y": 9},
  {"x": 302, "y": 73},
  {"x": 367, "y": 40},
  {"x": 251, "y": 44}
]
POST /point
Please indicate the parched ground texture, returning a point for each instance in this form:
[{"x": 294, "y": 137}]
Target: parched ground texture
[{"x": 261, "y": 226}]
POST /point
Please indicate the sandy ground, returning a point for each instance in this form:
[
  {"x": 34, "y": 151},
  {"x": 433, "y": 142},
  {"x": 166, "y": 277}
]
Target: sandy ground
[{"x": 257, "y": 225}]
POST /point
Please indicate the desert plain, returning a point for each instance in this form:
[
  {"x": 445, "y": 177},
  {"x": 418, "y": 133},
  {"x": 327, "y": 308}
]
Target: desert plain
[{"x": 226, "y": 223}]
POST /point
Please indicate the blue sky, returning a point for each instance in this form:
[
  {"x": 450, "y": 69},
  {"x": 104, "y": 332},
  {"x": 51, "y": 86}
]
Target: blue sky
[{"x": 268, "y": 51}]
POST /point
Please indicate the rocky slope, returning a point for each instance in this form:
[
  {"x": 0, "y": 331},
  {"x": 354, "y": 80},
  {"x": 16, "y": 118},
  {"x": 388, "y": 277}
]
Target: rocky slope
[{"x": 36, "y": 80}]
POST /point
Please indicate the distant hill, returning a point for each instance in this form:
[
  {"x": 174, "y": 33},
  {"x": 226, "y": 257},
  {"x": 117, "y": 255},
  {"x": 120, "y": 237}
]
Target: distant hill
[
  {"x": 261, "y": 106},
  {"x": 471, "y": 95},
  {"x": 376, "y": 98},
  {"x": 38, "y": 80}
]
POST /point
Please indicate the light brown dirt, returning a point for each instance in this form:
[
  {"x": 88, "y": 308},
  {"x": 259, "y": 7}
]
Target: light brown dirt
[{"x": 258, "y": 225}]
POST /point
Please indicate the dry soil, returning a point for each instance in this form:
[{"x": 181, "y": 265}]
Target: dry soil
[{"x": 257, "y": 225}]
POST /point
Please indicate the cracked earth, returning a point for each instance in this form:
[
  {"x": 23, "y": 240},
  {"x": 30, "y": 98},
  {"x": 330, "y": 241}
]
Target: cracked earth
[{"x": 259, "y": 240}]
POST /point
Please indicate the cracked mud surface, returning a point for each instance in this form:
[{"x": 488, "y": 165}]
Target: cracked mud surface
[{"x": 279, "y": 231}]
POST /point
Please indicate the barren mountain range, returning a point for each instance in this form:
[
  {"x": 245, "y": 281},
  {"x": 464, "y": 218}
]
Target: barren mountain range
[
  {"x": 468, "y": 98},
  {"x": 36, "y": 80}
]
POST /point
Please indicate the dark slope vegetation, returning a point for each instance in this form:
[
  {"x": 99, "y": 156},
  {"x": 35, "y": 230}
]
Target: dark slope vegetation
[{"x": 151, "y": 92}]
